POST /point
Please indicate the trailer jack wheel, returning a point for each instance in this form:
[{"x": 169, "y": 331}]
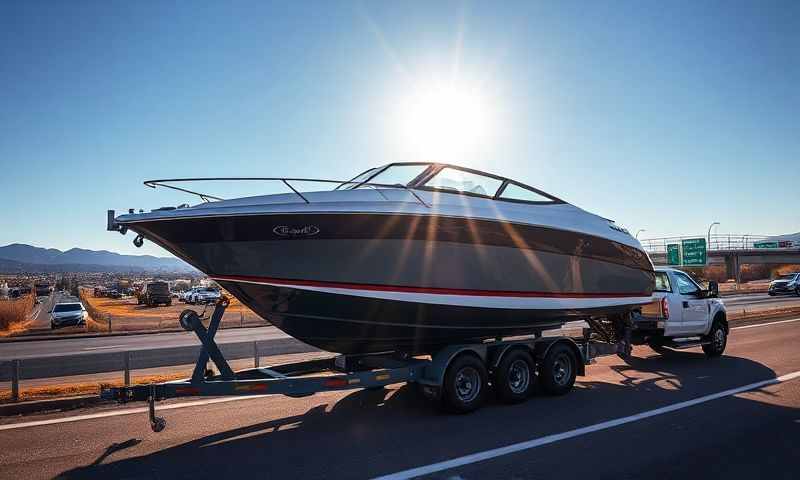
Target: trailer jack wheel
[{"x": 157, "y": 424}]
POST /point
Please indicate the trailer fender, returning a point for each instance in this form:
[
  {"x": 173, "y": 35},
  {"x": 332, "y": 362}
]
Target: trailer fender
[
  {"x": 435, "y": 370},
  {"x": 544, "y": 345}
]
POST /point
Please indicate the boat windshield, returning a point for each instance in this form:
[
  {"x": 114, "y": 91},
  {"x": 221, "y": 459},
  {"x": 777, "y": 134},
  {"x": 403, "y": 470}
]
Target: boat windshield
[
  {"x": 461, "y": 181},
  {"x": 357, "y": 179},
  {"x": 400, "y": 175}
]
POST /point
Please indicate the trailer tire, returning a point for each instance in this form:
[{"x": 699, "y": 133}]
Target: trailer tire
[
  {"x": 514, "y": 378},
  {"x": 558, "y": 370},
  {"x": 465, "y": 383},
  {"x": 719, "y": 339}
]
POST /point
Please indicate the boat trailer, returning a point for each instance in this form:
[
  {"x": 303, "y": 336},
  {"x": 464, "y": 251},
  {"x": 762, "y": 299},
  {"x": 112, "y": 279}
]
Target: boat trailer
[{"x": 368, "y": 371}]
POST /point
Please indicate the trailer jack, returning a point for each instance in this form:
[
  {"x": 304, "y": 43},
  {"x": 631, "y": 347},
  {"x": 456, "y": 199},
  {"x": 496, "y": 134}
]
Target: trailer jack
[{"x": 156, "y": 423}]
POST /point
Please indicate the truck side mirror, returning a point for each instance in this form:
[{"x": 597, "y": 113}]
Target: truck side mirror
[{"x": 713, "y": 289}]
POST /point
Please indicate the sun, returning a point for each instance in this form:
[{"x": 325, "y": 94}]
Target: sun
[{"x": 443, "y": 121}]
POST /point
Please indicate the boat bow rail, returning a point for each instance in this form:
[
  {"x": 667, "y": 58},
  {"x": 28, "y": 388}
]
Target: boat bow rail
[{"x": 167, "y": 183}]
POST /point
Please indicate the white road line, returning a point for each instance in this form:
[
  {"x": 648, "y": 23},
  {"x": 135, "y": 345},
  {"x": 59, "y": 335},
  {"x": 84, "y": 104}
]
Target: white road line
[
  {"x": 100, "y": 348},
  {"x": 538, "y": 442},
  {"x": 129, "y": 411},
  {"x": 767, "y": 324}
]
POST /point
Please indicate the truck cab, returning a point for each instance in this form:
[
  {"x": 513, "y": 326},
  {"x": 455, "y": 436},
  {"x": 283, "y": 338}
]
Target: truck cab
[{"x": 686, "y": 315}]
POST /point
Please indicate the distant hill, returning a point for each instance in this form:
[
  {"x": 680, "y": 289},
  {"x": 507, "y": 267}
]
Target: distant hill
[{"x": 19, "y": 257}]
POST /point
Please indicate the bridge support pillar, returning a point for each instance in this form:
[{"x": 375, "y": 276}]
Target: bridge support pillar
[{"x": 732, "y": 267}]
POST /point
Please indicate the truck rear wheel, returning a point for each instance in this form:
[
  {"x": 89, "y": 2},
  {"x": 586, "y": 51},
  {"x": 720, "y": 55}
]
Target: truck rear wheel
[
  {"x": 514, "y": 377},
  {"x": 557, "y": 371},
  {"x": 718, "y": 339},
  {"x": 465, "y": 383}
]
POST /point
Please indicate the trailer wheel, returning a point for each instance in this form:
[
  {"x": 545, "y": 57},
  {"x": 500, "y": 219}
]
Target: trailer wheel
[
  {"x": 718, "y": 337},
  {"x": 515, "y": 377},
  {"x": 557, "y": 372},
  {"x": 465, "y": 383}
]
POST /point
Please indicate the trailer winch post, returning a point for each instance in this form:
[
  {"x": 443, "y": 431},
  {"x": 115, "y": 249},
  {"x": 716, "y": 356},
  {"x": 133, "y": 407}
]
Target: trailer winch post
[{"x": 191, "y": 321}]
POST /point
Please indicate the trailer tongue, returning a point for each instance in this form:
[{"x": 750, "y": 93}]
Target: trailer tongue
[{"x": 457, "y": 375}]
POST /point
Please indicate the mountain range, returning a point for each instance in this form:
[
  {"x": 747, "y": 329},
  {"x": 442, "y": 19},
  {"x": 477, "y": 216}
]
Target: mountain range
[{"x": 19, "y": 257}]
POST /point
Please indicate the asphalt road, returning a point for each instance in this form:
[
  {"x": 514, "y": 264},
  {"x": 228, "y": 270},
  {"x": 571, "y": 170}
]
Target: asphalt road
[
  {"x": 623, "y": 420},
  {"x": 74, "y": 346},
  {"x": 760, "y": 299},
  {"x": 40, "y": 317}
]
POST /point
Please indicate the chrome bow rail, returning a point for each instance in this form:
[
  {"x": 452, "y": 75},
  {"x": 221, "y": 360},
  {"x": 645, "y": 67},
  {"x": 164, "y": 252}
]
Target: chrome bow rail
[{"x": 286, "y": 181}]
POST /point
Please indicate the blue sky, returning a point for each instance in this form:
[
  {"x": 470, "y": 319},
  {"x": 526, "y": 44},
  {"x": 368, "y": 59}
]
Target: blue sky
[{"x": 661, "y": 115}]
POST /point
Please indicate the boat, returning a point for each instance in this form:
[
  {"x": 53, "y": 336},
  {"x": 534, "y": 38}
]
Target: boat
[{"x": 406, "y": 257}]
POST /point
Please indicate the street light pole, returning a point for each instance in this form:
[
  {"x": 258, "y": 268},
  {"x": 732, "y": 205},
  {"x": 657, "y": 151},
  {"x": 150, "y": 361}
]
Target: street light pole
[
  {"x": 708, "y": 238},
  {"x": 637, "y": 233}
]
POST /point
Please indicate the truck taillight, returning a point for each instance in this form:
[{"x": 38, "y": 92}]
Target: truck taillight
[{"x": 665, "y": 307}]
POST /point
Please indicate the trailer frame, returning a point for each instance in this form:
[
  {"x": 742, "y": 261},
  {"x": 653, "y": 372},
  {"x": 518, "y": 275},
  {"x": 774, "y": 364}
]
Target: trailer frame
[{"x": 347, "y": 372}]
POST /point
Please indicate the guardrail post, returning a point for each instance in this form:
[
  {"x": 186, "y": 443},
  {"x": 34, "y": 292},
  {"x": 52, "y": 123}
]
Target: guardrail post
[
  {"x": 108, "y": 319},
  {"x": 256, "y": 358},
  {"x": 127, "y": 360},
  {"x": 15, "y": 380},
  {"x": 241, "y": 319}
]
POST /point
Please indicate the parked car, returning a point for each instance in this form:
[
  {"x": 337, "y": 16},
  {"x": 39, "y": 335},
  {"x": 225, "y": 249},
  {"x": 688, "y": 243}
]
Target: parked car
[
  {"x": 186, "y": 295},
  {"x": 789, "y": 283},
  {"x": 204, "y": 295},
  {"x": 67, "y": 314},
  {"x": 154, "y": 293}
]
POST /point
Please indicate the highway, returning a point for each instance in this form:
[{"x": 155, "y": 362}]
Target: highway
[
  {"x": 674, "y": 416},
  {"x": 76, "y": 346},
  {"x": 758, "y": 300}
]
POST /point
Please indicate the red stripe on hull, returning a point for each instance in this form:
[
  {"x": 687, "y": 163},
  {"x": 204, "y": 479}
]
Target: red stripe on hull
[{"x": 435, "y": 291}]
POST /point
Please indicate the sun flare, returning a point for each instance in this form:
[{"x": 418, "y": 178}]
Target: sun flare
[{"x": 443, "y": 121}]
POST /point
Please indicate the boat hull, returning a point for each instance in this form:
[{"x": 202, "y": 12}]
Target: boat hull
[
  {"x": 347, "y": 323},
  {"x": 367, "y": 282}
]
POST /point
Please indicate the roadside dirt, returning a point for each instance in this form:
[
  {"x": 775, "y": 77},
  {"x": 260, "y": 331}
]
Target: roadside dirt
[{"x": 126, "y": 315}]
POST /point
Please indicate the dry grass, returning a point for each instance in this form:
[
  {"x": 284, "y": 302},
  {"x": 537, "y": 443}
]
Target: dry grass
[
  {"x": 127, "y": 315},
  {"x": 14, "y": 313},
  {"x": 87, "y": 388}
]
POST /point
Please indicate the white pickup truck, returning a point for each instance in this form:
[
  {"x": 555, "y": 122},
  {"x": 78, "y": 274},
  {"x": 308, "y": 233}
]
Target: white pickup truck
[{"x": 685, "y": 316}]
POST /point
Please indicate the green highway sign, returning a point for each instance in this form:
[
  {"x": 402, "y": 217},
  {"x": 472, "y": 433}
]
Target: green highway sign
[
  {"x": 673, "y": 254},
  {"x": 694, "y": 251},
  {"x": 765, "y": 245}
]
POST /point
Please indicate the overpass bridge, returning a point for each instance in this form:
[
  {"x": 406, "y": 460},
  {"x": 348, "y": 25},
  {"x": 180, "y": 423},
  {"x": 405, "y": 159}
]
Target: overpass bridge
[{"x": 733, "y": 251}]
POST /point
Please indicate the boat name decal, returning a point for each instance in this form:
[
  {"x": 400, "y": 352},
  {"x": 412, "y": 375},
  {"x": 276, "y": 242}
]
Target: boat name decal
[
  {"x": 616, "y": 227},
  {"x": 305, "y": 231}
]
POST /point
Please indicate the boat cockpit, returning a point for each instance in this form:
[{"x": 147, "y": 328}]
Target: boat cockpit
[{"x": 450, "y": 179}]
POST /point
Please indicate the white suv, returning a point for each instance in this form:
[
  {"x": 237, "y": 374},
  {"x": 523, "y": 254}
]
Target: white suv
[
  {"x": 67, "y": 314},
  {"x": 204, "y": 295}
]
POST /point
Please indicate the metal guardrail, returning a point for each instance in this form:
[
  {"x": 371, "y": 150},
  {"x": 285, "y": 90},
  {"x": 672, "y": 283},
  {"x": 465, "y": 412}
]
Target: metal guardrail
[
  {"x": 716, "y": 242},
  {"x": 17, "y": 370}
]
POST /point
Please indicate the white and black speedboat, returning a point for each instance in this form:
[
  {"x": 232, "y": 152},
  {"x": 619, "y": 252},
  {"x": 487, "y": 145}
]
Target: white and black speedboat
[{"x": 408, "y": 257}]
